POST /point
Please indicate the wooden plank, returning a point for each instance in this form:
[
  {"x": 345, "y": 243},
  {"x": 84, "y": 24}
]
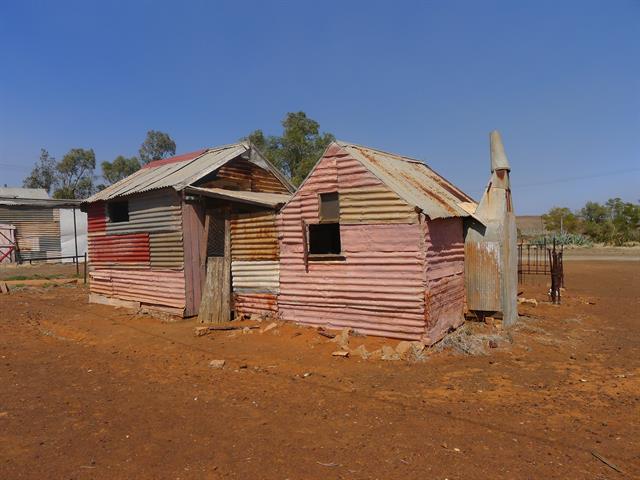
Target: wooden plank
[
  {"x": 225, "y": 285},
  {"x": 210, "y": 307},
  {"x": 190, "y": 309}
]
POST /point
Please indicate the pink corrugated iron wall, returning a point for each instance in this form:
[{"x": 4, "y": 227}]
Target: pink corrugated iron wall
[
  {"x": 444, "y": 275},
  {"x": 402, "y": 274},
  {"x": 379, "y": 288}
]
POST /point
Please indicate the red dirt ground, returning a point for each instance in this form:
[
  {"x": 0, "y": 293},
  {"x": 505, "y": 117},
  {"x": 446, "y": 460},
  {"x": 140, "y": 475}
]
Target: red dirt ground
[{"x": 92, "y": 392}]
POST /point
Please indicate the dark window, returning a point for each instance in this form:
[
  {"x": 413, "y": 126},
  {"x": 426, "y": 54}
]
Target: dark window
[
  {"x": 118, "y": 211},
  {"x": 215, "y": 235},
  {"x": 324, "y": 238},
  {"x": 329, "y": 207}
]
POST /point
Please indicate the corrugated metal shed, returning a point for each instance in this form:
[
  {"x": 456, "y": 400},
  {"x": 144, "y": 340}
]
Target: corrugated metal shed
[
  {"x": 37, "y": 230},
  {"x": 179, "y": 173},
  {"x": 399, "y": 273}
]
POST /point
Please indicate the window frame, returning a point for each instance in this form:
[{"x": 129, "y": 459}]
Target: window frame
[
  {"x": 322, "y": 219},
  {"x": 111, "y": 205}
]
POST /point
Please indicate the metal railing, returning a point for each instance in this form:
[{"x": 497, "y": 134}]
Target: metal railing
[{"x": 74, "y": 257}]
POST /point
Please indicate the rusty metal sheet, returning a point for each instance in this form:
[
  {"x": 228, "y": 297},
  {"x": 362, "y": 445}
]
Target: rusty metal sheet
[
  {"x": 166, "y": 250},
  {"x": 247, "y": 304},
  {"x": 260, "y": 199},
  {"x": 413, "y": 181},
  {"x": 254, "y": 236},
  {"x": 374, "y": 205},
  {"x": 482, "y": 275},
  {"x": 180, "y": 172}
]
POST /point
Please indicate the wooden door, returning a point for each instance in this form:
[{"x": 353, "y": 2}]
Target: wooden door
[{"x": 216, "y": 295}]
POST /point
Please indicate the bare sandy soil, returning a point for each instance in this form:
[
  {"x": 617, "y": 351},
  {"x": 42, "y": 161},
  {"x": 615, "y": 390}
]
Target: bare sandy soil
[{"x": 91, "y": 392}]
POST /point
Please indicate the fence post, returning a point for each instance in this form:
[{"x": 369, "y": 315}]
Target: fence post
[{"x": 85, "y": 268}]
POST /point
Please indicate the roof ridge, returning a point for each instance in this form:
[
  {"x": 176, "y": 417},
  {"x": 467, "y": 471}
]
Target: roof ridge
[{"x": 403, "y": 158}]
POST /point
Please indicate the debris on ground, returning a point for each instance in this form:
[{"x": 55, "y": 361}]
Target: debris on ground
[
  {"x": 342, "y": 339},
  {"x": 324, "y": 333},
  {"x": 217, "y": 364},
  {"x": 389, "y": 353},
  {"x": 4, "y": 288},
  {"x": 528, "y": 301},
  {"x": 205, "y": 330},
  {"x": 340, "y": 353},
  {"x": 271, "y": 326},
  {"x": 469, "y": 342}
]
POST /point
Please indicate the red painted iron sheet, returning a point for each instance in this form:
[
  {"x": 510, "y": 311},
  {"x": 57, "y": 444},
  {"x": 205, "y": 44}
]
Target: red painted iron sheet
[
  {"x": 96, "y": 217},
  {"x": 133, "y": 247},
  {"x": 178, "y": 158}
]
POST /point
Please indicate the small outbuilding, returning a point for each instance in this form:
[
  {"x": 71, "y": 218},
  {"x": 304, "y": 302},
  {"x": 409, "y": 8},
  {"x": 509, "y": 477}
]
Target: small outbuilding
[
  {"x": 39, "y": 227},
  {"x": 157, "y": 236},
  {"x": 374, "y": 241}
]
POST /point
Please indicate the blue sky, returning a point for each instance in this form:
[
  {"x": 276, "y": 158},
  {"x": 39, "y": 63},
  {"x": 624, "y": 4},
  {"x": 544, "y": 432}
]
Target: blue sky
[{"x": 559, "y": 79}]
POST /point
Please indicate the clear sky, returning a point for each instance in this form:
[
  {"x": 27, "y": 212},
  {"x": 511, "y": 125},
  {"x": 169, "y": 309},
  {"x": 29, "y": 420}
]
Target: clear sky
[{"x": 428, "y": 79}]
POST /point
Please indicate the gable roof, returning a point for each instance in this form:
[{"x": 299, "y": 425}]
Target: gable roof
[
  {"x": 414, "y": 182},
  {"x": 183, "y": 170}
]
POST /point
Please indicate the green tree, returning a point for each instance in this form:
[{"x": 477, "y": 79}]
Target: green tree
[
  {"x": 75, "y": 174},
  {"x": 561, "y": 220},
  {"x": 156, "y": 146},
  {"x": 120, "y": 168},
  {"x": 44, "y": 174},
  {"x": 299, "y": 147}
]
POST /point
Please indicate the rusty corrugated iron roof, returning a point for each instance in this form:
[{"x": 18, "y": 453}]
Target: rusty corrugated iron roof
[
  {"x": 414, "y": 182},
  {"x": 260, "y": 199},
  {"x": 183, "y": 170}
]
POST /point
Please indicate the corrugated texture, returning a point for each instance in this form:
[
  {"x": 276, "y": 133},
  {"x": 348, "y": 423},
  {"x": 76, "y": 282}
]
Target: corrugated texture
[
  {"x": 444, "y": 274},
  {"x": 166, "y": 250},
  {"x": 96, "y": 218},
  {"x": 374, "y": 205},
  {"x": 482, "y": 272},
  {"x": 245, "y": 175},
  {"x": 255, "y": 277},
  {"x": 255, "y": 304},
  {"x": 162, "y": 289},
  {"x": 152, "y": 212},
  {"x": 109, "y": 250},
  {"x": 37, "y": 230},
  {"x": 254, "y": 236},
  {"x": 378, "y": 289},
  {"x": 413, "y": 181},
  {"x": 260, "y": 199},
  {"x": 185, "y": 171},
  {"x": 17, "y": 192}
]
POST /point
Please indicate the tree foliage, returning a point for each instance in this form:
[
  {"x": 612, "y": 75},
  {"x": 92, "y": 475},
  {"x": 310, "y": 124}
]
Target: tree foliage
[
  {"x": 615, "y": 222},
  {"x": 75, "y": 174},
  {"x": 120, "y": 168},
  {"x": 299, "y": 147},
  {"x": 156, "y": 146},
  {"x": 44, "y": 174}
]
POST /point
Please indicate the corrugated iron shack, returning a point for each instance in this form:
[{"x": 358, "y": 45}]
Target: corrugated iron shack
[
  {"x": 36, "y": 221},
  {"x": 374, "y": 241},
  {"x": 152, "y": 235}
]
